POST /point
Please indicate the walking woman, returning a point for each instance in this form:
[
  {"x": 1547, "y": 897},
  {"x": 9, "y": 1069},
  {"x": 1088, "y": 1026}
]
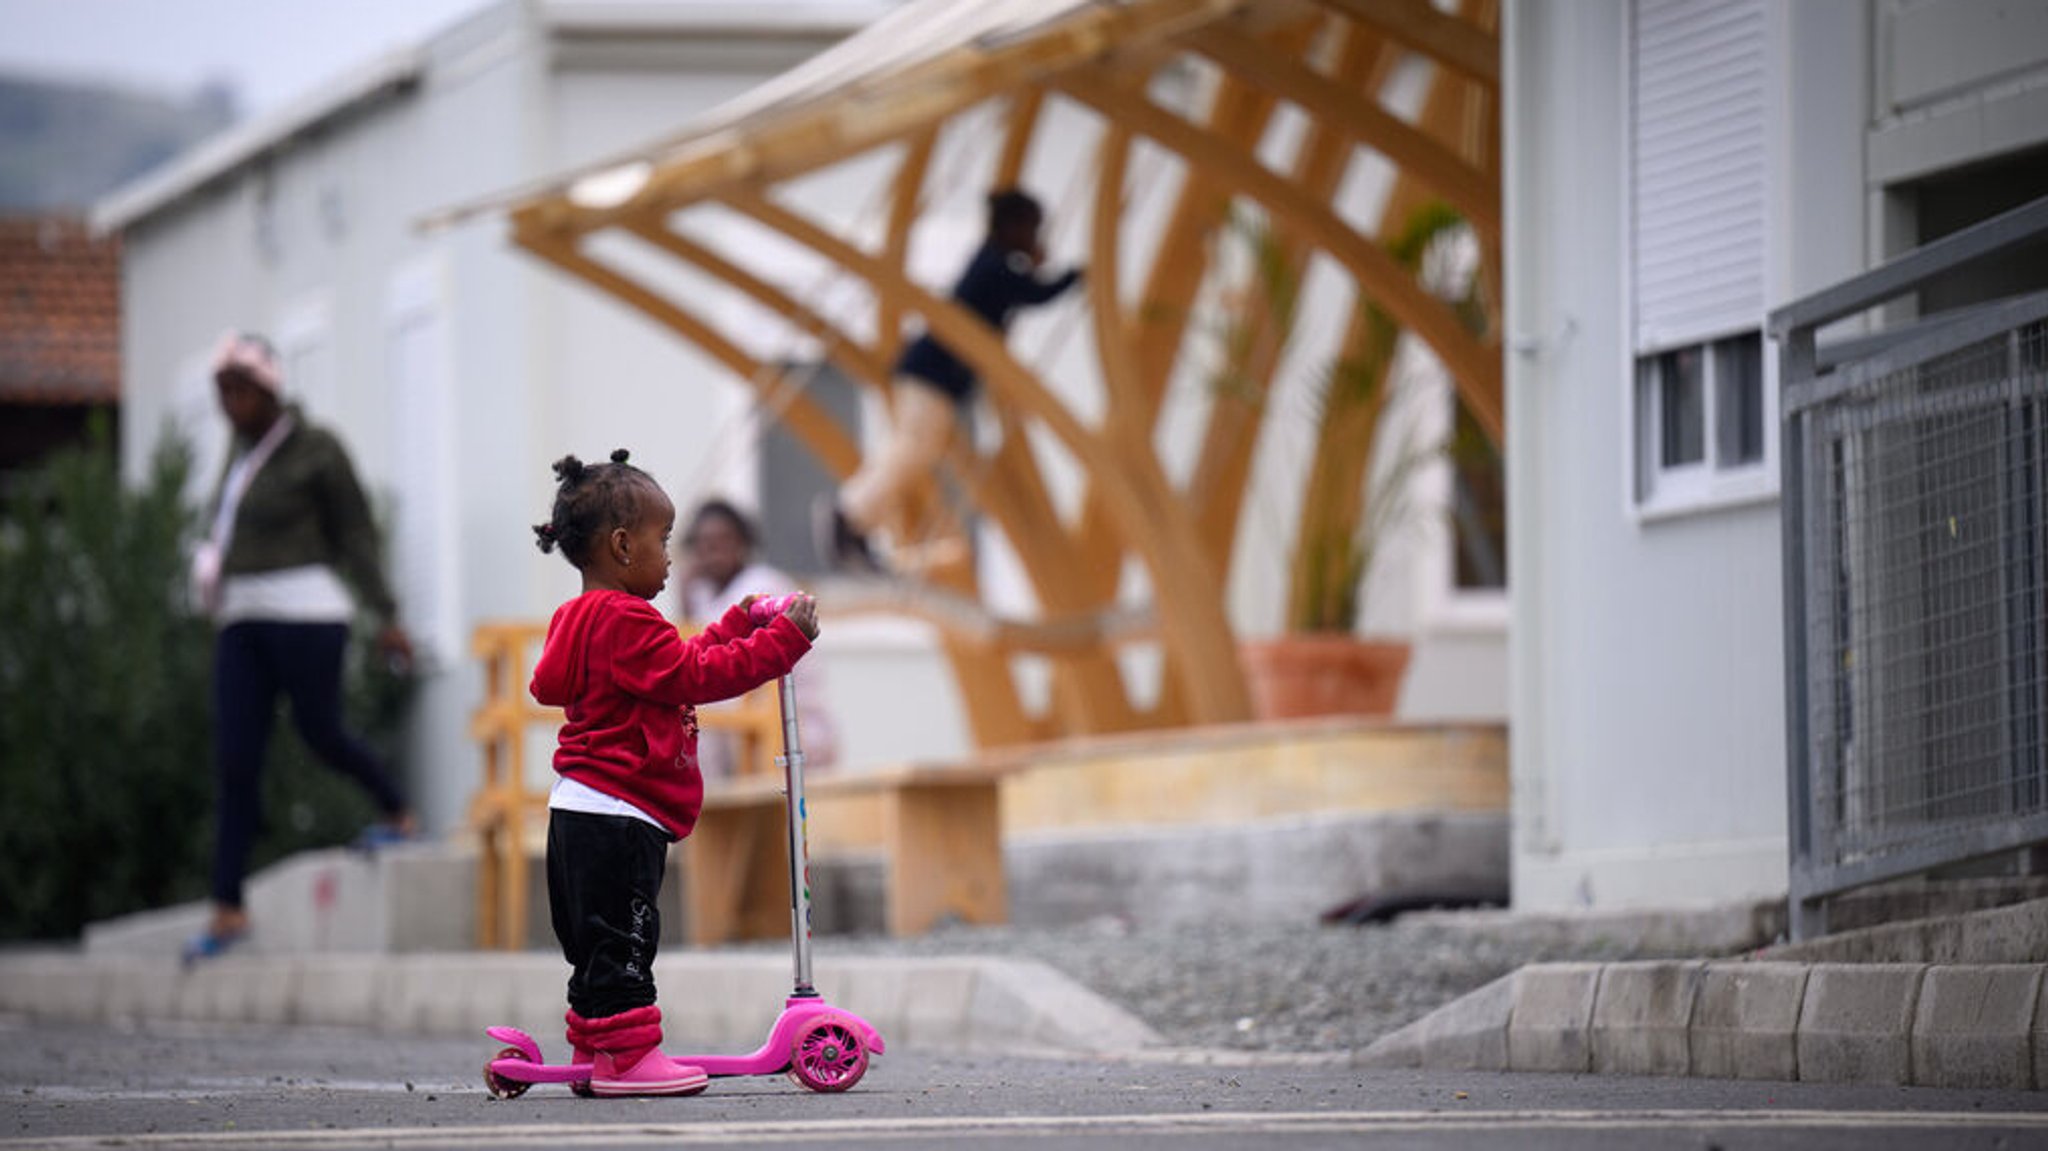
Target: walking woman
[{"x": 291, "y": 534}]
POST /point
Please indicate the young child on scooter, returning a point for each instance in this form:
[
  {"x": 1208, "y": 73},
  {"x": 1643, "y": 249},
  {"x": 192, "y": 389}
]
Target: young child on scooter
[{"x": 627, "y": 757}]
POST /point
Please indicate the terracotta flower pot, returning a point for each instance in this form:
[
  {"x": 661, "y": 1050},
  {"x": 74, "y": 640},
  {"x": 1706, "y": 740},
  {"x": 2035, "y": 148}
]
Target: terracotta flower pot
[{"x": 1303, "y": 675}]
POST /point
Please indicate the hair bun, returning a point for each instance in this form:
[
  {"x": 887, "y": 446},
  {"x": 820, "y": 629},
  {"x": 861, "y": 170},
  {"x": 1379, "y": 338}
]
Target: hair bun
[
  {"x": 568, "y": 469},
  {"x": 619, "y": 456},
  {"x": 546, "y": 540}
]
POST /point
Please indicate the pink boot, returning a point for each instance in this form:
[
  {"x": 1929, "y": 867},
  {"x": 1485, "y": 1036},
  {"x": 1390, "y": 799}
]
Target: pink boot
[
  {"x": 625, "y": 1056},
  {"x": 580, "y": 1050},
  {"x": 644, "y": 1072}
]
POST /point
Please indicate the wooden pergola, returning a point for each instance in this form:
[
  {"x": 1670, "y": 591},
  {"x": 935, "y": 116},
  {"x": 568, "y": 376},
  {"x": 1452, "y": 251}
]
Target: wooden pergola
[{"x": 892, "y": 90}]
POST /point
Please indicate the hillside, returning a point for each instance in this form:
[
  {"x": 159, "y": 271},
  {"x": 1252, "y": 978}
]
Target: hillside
[{"x": 64, "y": 144}]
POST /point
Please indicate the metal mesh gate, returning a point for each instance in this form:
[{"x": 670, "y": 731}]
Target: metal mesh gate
[{"x": 1916, "y": 516}]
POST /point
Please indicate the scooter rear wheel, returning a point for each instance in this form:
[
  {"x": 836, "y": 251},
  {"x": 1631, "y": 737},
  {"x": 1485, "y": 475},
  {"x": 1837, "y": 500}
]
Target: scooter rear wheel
[
  {"x": 828, "y": 1055},
  {"x": 501, "y": 1087}
]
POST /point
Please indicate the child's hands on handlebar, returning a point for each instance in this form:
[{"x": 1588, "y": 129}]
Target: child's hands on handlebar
[
  {"x": 803, "y": 612},
  {"x": 801, "y": 609}
]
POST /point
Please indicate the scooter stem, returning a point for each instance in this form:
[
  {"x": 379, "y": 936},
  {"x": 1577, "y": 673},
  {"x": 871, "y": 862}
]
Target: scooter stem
[{"x": 792, "y": 763}]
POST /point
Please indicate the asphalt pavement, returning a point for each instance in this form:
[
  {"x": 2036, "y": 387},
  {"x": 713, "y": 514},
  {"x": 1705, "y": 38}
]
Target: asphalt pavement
[{"x": 166, "y": 1086}]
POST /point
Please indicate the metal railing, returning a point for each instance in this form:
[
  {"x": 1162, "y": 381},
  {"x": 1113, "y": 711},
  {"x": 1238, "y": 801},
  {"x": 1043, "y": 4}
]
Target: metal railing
[{"x": 1915, "y": 472}]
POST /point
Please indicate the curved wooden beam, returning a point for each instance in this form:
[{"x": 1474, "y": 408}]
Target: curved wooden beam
[
  {"x": 1429, "y": 30},
  {"x": 1476, "y": 368},
  {"x": 1060, "y": 636},
  {"x": 1153, "y": 519},
  {"x": 860, "y": 363},
  {"x": 822, "y": 132},
  {"x": 1088, "y": 689},
  {"x": 1120, "y": 373},
  {"x": 816, "y": 430},
  {"x": 1335, "y": 494},
  {"x": 1098, "y": 700},
  {"x": 1018, "y": 131},
  {"x": 855, "y": 359},
  {"x": 1238, "y": 113},
  {"x": 905, "y": 196},
  {"x": 1468, "y": 188},
  {"x": 1223, "y": 468}
]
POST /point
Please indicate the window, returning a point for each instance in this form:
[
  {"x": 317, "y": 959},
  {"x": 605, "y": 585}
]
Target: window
[
  {"x": 1679, "y": 378},
  {"x": 791, "y": 479},
  {"x": 1739, "y": 401},
  {"x": 1702, "y": 399},
  {"x": 1951, "y": 201},
  {"x": 1700, "y": 420},
  {"x": 1462, "y": 570},
  {"x": 1479, "y": 507}
]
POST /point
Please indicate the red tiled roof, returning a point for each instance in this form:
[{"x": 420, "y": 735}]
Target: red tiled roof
[{"x": 60, "y": 313}]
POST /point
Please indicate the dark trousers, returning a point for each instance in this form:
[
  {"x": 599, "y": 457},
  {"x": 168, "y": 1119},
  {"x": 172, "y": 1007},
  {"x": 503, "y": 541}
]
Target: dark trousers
[
  {"x": 253, "y": 662},
  {"x": 604, "y": 880}
]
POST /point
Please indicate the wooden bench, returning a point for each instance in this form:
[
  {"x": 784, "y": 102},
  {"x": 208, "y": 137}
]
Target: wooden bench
[
  {"x": 507, "y": 811},
  {"x": 940, "y": 833}
]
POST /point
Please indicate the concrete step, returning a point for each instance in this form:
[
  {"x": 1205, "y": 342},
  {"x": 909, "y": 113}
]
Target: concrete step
[
  {"x": 714, "y": 1001},
  {"x": 1978, "y": 1025},
  {"x": 2013, "y": 934},
  {"x": 407, "y": 898},
  {"x": 1952, "y": 1001}
]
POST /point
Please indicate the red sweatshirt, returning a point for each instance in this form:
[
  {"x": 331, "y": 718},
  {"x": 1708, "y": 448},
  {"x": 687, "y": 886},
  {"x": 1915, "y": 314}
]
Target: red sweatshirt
[{"x": 627, "y": 682}]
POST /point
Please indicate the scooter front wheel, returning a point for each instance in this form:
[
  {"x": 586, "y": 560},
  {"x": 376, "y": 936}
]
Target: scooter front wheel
[
  {"x": 828, "y": 1055},
  {"x": 499, "y": 1086}
]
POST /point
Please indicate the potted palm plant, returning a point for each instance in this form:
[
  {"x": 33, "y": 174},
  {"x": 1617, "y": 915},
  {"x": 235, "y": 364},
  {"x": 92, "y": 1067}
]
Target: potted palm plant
[{"x": 1357, "y": 499}]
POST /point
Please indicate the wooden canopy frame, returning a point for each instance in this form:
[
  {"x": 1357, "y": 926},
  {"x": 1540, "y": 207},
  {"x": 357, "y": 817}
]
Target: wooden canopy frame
[{"x": 1329, "y": 60}]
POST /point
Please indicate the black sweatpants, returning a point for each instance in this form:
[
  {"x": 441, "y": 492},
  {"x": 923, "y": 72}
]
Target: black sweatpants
[
  {"x": 604, "y": 880},
  {"x": 252, "y": 662}
]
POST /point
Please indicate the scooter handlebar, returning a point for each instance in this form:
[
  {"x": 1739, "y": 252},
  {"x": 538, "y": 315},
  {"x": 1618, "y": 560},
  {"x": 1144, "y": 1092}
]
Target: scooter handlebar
[{"x": 764, "y": 610}]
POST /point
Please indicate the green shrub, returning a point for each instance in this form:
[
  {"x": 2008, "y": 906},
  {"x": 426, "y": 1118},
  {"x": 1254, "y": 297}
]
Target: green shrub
[{"x": 105, "y": 704}]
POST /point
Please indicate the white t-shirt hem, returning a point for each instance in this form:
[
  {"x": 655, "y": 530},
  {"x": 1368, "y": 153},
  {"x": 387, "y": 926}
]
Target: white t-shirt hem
[
  {"x": 308, "y": 594},
  {"x": 573, "y": 795}
]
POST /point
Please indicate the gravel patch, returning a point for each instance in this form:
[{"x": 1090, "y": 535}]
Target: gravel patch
[{"x": 1263, "y": 988}]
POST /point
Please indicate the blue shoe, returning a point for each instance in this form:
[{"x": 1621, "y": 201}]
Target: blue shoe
[
  {"x": 379, "y": 836},
  {"x": 207, "y": 945}
]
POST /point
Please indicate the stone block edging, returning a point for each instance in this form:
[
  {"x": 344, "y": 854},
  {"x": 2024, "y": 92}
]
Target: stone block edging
[{"x": 1983, "y": 1025}]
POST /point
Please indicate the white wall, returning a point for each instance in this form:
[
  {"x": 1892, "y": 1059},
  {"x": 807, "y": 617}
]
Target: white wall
[
  {"x": 1647, "y": 667},
  {"x": 320, "y": 239},
  {"x": 1647, "y": 683}
]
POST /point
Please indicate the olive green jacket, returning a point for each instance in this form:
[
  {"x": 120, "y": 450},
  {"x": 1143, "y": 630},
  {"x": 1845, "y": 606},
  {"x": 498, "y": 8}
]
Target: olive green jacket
[{"x": 305, "y": 507}]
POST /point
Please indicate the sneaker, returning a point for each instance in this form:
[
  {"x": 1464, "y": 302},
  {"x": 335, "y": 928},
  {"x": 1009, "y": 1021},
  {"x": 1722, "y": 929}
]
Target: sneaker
[
  {"x": 209, "y": 945},
  {"x": 651, "y": 1074},
  {"x": 840, "y": 546},
  {"x": 378, "y": 836},
  {"x": 850, "y": 550}
]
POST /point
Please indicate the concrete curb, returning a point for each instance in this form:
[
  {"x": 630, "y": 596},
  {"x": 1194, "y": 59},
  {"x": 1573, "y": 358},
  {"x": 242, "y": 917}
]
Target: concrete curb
[
  {"x": 724, "y": 1002},
  {"x": 2017, "y": 933},
  {"x": 1980, "y": 1025}
]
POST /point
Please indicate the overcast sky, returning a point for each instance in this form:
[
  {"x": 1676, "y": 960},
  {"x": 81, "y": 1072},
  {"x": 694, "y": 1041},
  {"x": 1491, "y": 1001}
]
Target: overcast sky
[{"x": 269, "y": 50}]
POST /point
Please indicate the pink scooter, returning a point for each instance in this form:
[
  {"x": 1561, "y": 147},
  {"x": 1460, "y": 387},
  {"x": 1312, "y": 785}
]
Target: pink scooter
[{"x": 819, "y": 1045}]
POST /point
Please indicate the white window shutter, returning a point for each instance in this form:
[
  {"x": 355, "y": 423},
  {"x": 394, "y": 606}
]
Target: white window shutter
[{"x": 1698, "y": 95}]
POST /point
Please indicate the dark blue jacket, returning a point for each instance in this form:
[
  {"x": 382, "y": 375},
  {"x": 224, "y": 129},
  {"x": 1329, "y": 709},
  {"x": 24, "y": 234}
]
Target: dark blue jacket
[{"x": 995, "y": 284}]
